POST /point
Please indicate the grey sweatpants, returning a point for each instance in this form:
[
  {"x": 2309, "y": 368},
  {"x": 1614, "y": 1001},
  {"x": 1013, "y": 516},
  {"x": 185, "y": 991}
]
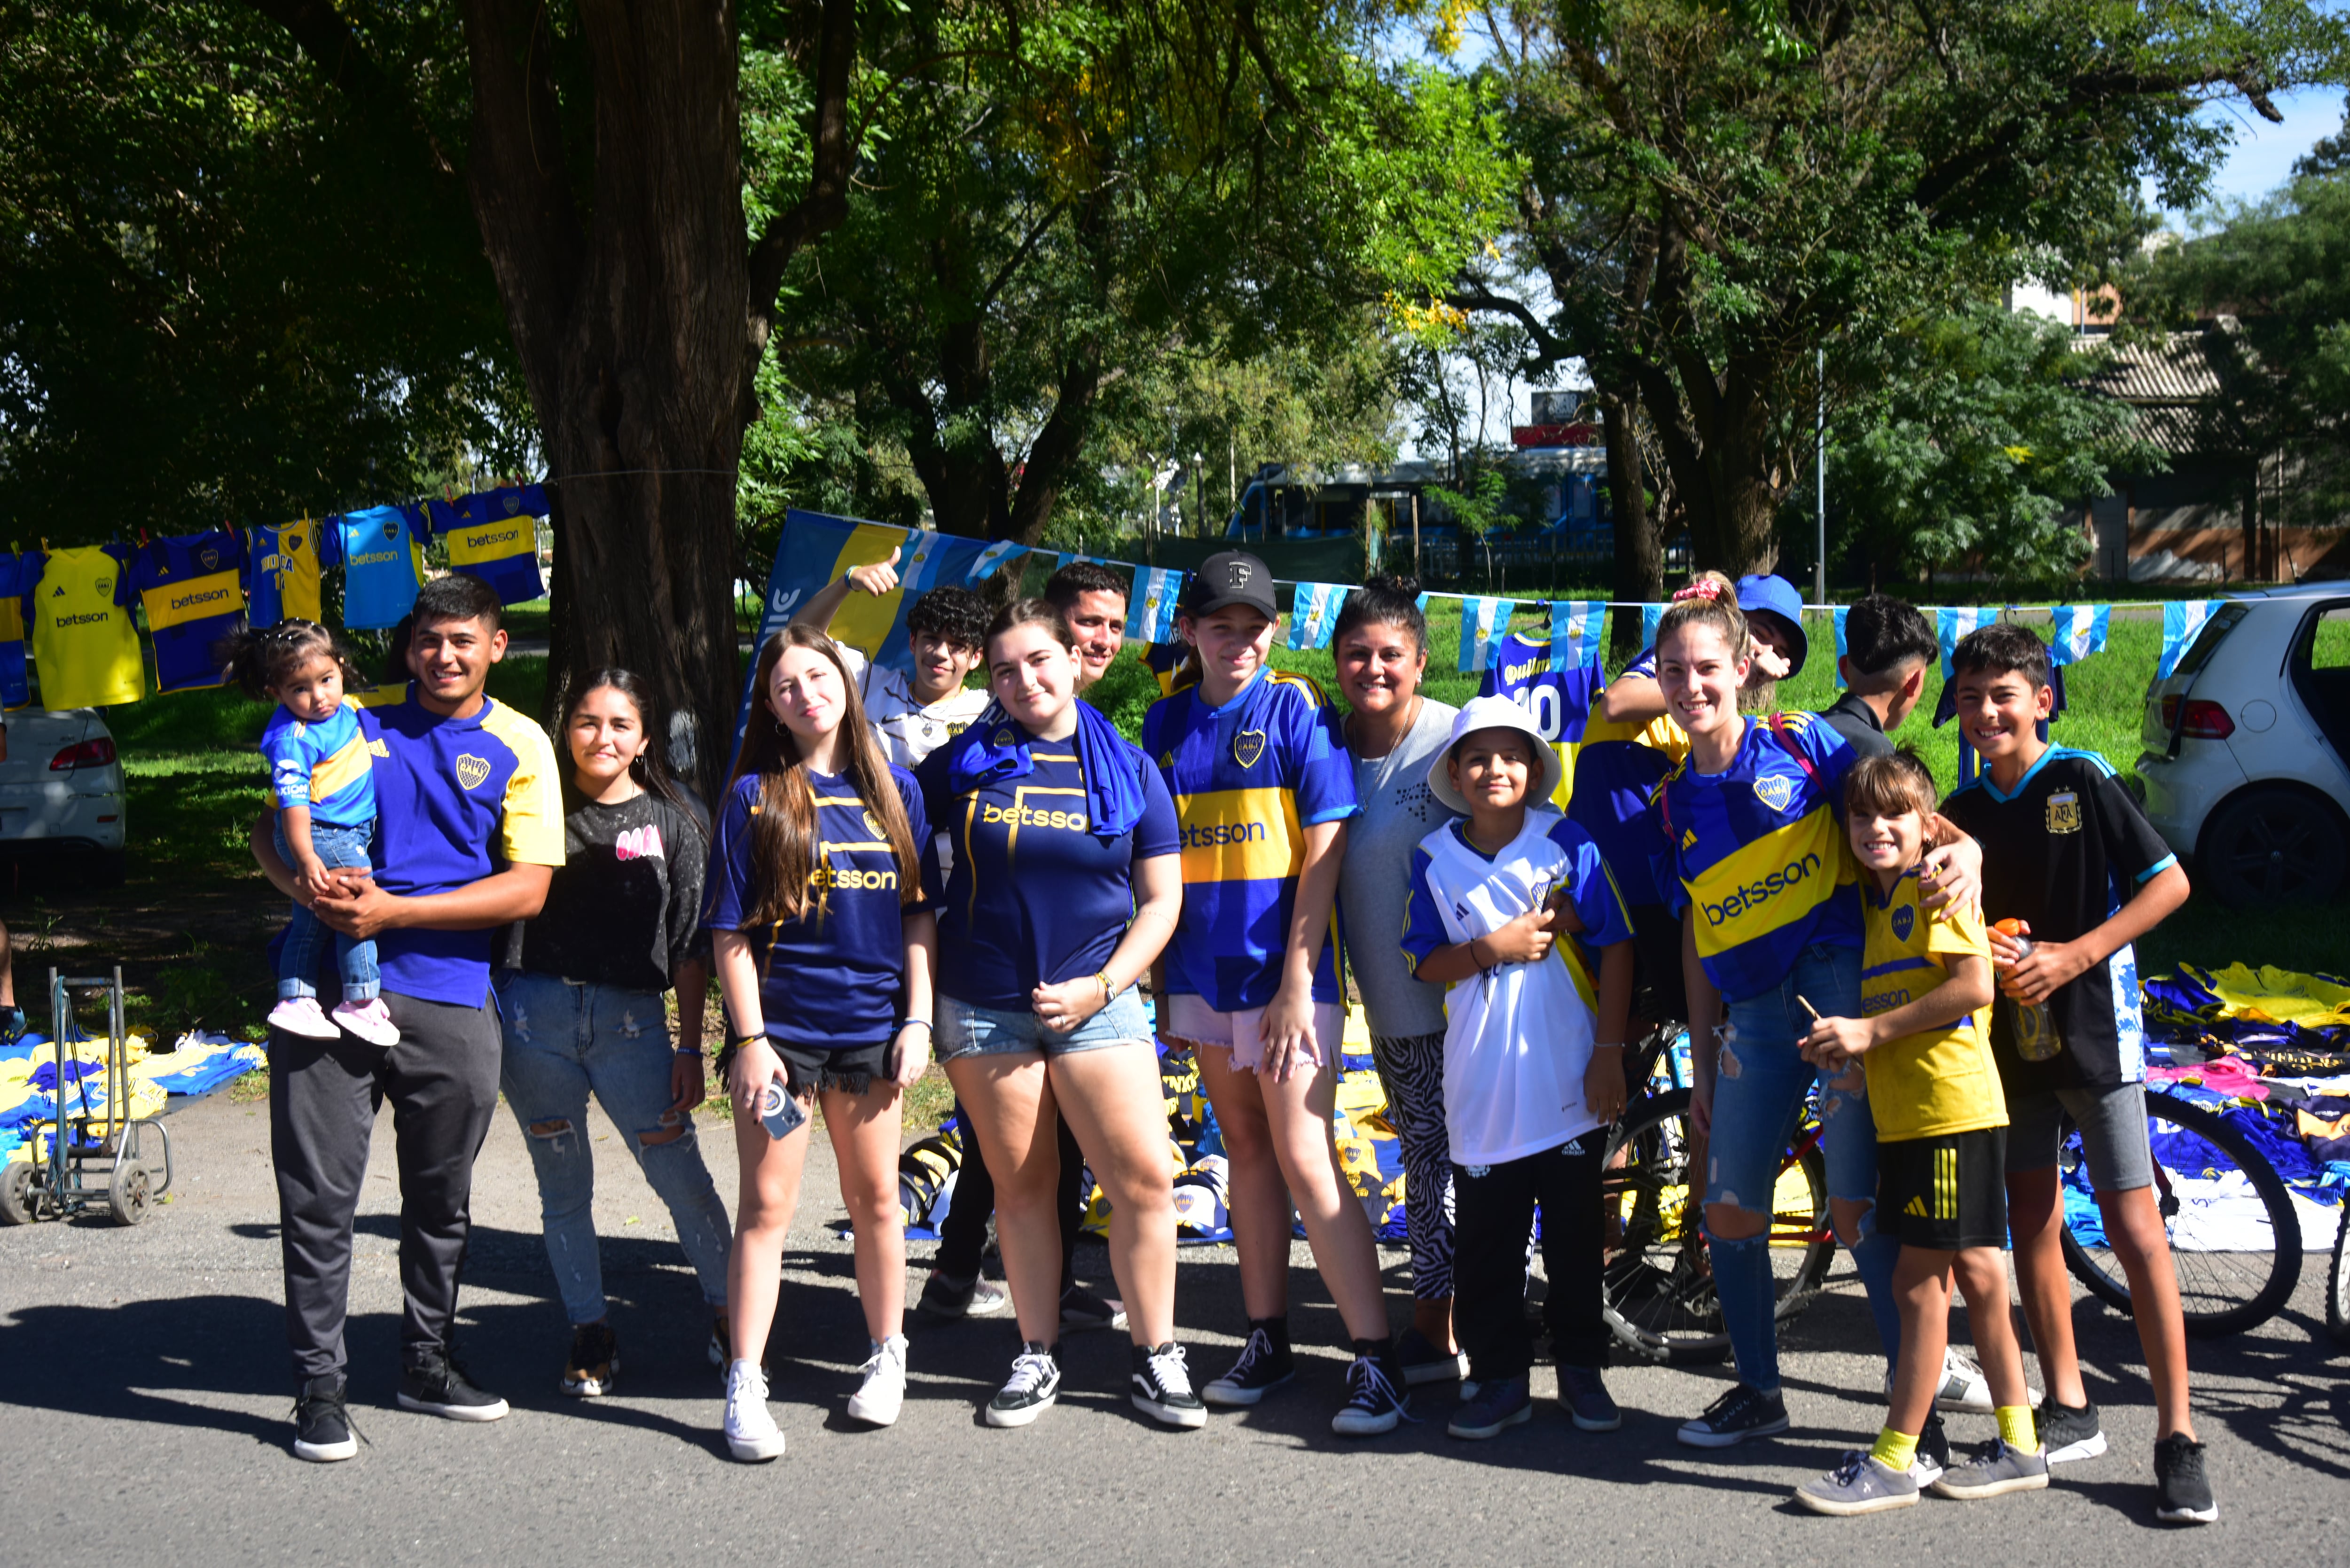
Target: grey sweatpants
[{"x": 442, "y": 1082}]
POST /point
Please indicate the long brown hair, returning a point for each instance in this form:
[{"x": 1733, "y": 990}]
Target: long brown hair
[{"x": 784, "y": 844}]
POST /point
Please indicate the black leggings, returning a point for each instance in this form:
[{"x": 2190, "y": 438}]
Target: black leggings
[{"x": 964, "y": 1235}]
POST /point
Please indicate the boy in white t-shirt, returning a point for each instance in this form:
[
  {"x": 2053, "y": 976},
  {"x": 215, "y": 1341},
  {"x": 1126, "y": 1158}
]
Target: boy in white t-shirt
[
  {"x": 1534, "y": 1057},
  {"x": 944, "y": 629}
]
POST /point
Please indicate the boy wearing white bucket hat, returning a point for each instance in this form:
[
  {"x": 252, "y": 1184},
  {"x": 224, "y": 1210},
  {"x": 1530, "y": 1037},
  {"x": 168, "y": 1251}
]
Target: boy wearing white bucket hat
[{"x": 1533, "y": 1058}]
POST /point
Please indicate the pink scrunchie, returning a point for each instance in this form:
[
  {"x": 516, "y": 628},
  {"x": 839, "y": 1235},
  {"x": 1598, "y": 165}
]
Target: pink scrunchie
[{"x": 1704, "y": 588}]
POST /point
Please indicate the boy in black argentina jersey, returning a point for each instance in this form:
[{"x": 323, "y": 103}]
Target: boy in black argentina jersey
[{"x": 2067, "y": 852}]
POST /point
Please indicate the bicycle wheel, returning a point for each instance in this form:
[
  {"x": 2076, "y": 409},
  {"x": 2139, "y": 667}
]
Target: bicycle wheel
[
  {"x": 2235, "y": 1241},
  {"x": 1659, "y": 1287},
  {"x": 2338, "y": 1285}
]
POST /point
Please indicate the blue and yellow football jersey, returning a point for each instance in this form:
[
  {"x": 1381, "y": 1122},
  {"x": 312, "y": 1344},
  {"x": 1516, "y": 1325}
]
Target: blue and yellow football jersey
[
  {"x": 1617, "y": 766},
  {"x": 193, "y": 589},
  {"x": 286, "y": 561},
  {"x": 325, "y": 768},
  {"x": 1937, "y": 1081},
  {"x": 382, "y": 549},
  {"x": 1759, "y": 850},
  {"x": 493, "y": 536},
  {"x": 17, "y": 576},
  {"x": 1558, "y": 700},
  {"x": 1248, "y": 779}
]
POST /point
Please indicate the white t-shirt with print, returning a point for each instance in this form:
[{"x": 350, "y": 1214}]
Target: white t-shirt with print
[{"x": 907, "y": 731}]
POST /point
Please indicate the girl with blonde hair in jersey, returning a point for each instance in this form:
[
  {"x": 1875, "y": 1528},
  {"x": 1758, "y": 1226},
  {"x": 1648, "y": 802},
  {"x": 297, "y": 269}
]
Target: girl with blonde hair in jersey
[{"x": 824, "y": 949}]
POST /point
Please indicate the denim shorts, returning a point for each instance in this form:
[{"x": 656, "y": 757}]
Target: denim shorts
[{"x": 967, "y": 1031}]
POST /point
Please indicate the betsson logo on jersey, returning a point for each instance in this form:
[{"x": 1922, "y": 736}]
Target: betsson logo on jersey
[
  {"x": 90, "y": 620},
  {"x": 210, "y": 596},
  {"x": 1754, "y": 895},
  {"x": 1029, "y": 816},
  {"x": 850, "y": 879},
  {"x": 1216, "y": 835}
]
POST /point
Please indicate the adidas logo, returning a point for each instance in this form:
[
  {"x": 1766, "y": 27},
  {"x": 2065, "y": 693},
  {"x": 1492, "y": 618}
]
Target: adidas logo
[{"x": 1918, "y": 1208}]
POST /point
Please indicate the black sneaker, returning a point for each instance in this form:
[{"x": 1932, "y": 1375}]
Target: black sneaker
[
  {"x": 1374, "y": 1402},
  {"x": 1740, "y": 1414},
  {"x": 1029, "y": 1392},
  {"x": 2182, "y": 1492},
  {"x": 322, "y": 1427},
  {"x": 1422, "y": 1362},
  {"x": 2068, "y": 1433},
  {"x": 1082, "y": 1310},
  {"x": 1163, "y": 1386},
  {"x": 1933, "y": 1456},
  {"x": 1263, "y": 1366},
  {"x": 434, "y": 1383},
  {"x": 594, "y": 1364}
]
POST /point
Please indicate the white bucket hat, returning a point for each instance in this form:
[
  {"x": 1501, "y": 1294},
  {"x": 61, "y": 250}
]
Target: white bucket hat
[{"x": 1494, "y": 713}]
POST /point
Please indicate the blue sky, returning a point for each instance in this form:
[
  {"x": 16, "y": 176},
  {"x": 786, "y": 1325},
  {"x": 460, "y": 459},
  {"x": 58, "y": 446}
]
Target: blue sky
[{"x": 2262, "y": 159}]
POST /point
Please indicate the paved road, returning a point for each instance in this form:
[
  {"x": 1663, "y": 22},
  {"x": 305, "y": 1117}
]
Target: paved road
[{"x": 144, "y": 1394}]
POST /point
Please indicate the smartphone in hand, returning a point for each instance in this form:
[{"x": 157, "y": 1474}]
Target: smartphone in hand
[{"x": 779, "y": 1113}]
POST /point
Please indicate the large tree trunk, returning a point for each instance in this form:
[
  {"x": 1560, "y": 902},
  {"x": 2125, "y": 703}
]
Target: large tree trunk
[{"x": 1640, "y": 539}]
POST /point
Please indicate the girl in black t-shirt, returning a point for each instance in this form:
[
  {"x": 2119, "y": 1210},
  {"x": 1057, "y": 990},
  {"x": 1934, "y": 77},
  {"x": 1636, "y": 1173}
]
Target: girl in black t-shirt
[{"x": 579, "y": 998}]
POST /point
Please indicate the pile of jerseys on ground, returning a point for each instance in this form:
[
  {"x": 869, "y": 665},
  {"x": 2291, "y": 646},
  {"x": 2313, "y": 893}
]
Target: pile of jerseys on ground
[
  {"x": 1368, "y": 1151},
  {"x": 195, "y": 1065},
  {"x": 2269, "y": 1050}
]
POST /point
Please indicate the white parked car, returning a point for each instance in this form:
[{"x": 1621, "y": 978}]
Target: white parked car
[
  {"x": 2247, "y": 747},
  {"x": 61, "y": 788}
]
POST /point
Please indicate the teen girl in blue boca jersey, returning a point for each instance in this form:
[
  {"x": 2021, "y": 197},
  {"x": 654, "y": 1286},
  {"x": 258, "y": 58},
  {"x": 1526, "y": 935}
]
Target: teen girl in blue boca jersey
[
  {"x": 1265, "y": 787},
  {"x": 824, "y": 949},
  {"x": 1751, "y": 849}
]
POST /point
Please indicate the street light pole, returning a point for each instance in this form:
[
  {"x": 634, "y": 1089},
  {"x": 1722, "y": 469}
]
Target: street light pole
[{"x": 1820, "y": 566}]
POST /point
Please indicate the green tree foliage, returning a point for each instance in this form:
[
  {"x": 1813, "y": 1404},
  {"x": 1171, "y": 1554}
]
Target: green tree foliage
[
  {"x": 223, "y": 293},
  {"x": 1713, "y": 191},
  {"x": 2278, "y": 271},
  {"x": 1980, "y": 429},
  {"x": 1059, "y": 208}
]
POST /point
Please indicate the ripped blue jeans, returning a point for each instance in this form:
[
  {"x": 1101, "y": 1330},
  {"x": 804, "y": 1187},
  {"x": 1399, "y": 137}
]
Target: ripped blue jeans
[
  {"x": 1760, "y": 1084},
  {"x": 564, "y": 1040}
]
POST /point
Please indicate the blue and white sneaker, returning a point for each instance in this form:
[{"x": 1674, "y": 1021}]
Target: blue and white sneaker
[
  {"x": 1374, "y": 1405},
  {"x": 1740, "y": 1414},
  {"x": 1996, "y": 1471},
  {"x": 1861, "y": 1483},
  {"x": 1500, "y": 1402}
]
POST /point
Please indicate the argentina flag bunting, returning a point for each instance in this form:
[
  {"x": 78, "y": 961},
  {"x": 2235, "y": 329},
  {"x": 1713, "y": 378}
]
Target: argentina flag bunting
[
  {"x": 1954, "y": 621},
  {"x": 1837, "y": 614},
  {"x": 2080, "y": 631},
  {"x": 995, "y": 556},
  {"x": 1314, "y": 614},
  {"x": 1150, "y": 610},
  {"x": 1649, "y": 615},
  {"x": 2181, "y": 620},
  {"x": 1484, "y": 622},
  {"x": 1575, "y": 633}
]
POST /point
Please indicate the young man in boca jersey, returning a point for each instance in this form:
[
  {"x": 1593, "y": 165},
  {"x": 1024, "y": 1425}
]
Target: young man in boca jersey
[
  {"x": 469, "y": 833},
  {"x": 912, "y": 717},
  {"x": 1263, "y": 790},
  {"x": 2069, "y": 853}
]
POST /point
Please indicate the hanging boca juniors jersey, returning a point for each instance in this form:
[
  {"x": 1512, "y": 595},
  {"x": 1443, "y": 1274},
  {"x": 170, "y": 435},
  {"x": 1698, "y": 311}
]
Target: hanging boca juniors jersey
[
  {"x": 17, "y": 576},
  {"x": 193, "y": 588},
  {"x": 493, "y": 536},
  {"x": 85, "y": 641},
  {"x": 1560, "y": 700},
  {"x": 286, "y": 563},
  {"x": 382, "y": 549}
]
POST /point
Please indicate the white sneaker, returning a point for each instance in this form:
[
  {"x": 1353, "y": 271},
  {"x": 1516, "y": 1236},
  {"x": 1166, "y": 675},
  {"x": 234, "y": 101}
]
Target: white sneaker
[
  {"x": 302, "y": 1015},
  {"x": 369, "y": 1020},
  {"x": 1963, "y": 1387},
  {"x": 879, "y": 1398},
  {"x": 751, "y": 1433}
]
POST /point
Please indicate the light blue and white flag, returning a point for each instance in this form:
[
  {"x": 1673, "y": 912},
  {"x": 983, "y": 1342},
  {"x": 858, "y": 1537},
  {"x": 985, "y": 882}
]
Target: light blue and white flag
[
  {"x": 2080, "y": 631},
  {"x": 1954, "y": 621},
  {"x": 2181, "y": 620},
  {"x": 1484, "y": 622},
  {"x": 1314, "y": 614},
  {"x": 1837, "y": 614},
  {"x": 1150, "y": 609},
  {"x": 1649, "y": 615},
  {"x": 1576, "y": 632},
  {"x": 995, "y": 556},
  {"x": 1422, "y": 603}
]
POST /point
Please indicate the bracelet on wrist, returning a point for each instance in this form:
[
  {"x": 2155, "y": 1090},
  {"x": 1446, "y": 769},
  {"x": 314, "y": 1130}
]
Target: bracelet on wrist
[
  {"x": 1108, "y": 990},
  {"x": 924, "y": 1023},
  {"x": 693, "y": 1050}
]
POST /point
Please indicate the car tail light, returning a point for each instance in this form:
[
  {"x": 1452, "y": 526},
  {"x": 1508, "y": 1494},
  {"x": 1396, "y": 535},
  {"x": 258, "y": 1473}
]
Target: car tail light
[
  {"x": 2206, "y": 721},
  {"x": 89, "y": 754}
]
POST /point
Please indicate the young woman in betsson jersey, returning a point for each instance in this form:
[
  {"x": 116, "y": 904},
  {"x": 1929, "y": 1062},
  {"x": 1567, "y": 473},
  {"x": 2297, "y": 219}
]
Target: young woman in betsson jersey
[
  {"x": 1747, "y": 825},
  {"x": 825, "y": 950},
  {"x": 1264, "y": 788},
  {"x": 1063, "y": 883}
]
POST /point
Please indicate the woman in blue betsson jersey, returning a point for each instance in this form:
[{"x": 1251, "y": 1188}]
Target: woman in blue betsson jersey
[
  {"x": 1265, "y": 787},
  {"x": 1749, "y": 846},
  {"x": 1059, "y": 886},
  {"x": 824, "y": 949}
]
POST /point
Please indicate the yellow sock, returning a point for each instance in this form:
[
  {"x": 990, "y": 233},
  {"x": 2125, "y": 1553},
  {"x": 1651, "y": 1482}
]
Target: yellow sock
[
  {"x": 1893, "y": 1449},
  {"x": 2016, "y": 1428}
]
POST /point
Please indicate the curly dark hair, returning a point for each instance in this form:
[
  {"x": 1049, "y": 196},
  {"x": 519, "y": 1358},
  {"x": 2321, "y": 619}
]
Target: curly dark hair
[
  {"x": 952, "y": 615},
  {"x": 262, "y": 660}
]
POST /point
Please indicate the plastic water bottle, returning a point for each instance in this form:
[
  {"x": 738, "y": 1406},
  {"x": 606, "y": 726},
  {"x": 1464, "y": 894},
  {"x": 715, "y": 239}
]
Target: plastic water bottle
[{"x": 2035, "y": 1030}]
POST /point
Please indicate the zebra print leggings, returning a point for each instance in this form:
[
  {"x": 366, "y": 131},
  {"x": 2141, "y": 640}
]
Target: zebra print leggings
[{"x": 1412, "y": 1071}]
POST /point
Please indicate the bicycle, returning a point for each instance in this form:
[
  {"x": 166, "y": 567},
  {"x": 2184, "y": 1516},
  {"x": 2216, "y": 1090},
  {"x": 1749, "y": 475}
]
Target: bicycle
[
  {"x": 1658, "y": 1286},
  {"x": 2221, "y": 1290},
  {"x": 2338, "y": 1285}
]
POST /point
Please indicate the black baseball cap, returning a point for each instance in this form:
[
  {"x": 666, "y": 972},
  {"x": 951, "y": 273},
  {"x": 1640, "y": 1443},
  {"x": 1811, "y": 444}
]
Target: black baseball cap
[{"x": 1230, "y": 577}]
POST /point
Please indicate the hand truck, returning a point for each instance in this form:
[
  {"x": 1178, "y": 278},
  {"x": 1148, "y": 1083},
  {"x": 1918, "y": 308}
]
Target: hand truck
[{"x": 97, "y": 1158}]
